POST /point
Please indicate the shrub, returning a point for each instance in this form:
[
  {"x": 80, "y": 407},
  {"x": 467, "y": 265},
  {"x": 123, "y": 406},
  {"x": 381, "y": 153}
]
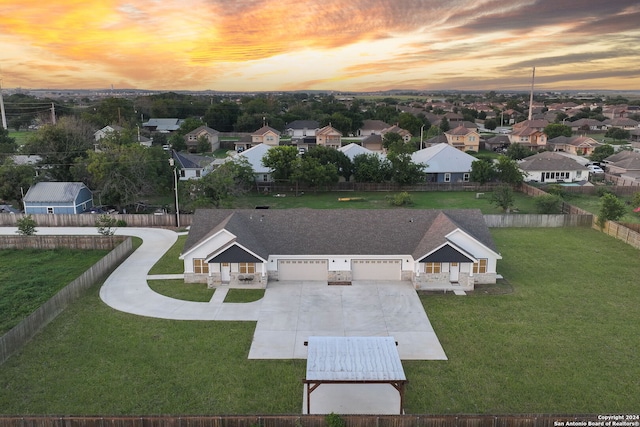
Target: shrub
[
  {"x": 121, "y": 223},
  {"x": 548, "y": 204},
  {"x": 635, "y": 200},
  {"x": 601, "y": 191},
  {"x": 26, "y": 226},
  {"x": 556, "y": 190},
  {"x": 402, "y": 199},
  {"x": 105, "y": 225},
  {"x": 611, "y": 209}
]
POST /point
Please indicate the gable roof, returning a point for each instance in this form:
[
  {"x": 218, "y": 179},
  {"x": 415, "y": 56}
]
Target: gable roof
[
  {"x": 199, "y": 130},
  {"x": 163, "y": 125},
  {"x": 461, "y": 130},
  {"x": 191, "y": 161},
  {"x": 254, "y": 156},
  {"x": 550, "y": 161},
  {"x": 328, "y": 130},
  {"x": 441, "y": 158},
  {"x": 303, "y": 124},
  {"x": 63, "y": 192},
  {"x": 351, "y": 150},
  {"x": 264, "y": 130},
  {"x": 378, "y": 125},
  {"x": 337, "y": 231}
]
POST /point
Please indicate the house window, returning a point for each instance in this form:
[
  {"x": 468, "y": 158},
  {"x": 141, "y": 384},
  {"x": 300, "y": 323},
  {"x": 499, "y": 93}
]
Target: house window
[
  {"x": 447, "y": 177},
  {"x": 465, "y": 177},
  {"x": 182, "y": 173},
  {"x": 432, "y": 267},
  {"x": 247, "y": 267},
  {"x": 197, "y": 173},
  {"x": 49, "y": 210},
  {"x": 480, "y": 266},
  {"x": 200, "y": 266}
]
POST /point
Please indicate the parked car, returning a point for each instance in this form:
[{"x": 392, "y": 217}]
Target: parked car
[{"x": 595, "y": 169}]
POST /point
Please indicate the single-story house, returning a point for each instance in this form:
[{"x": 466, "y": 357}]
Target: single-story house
[
  {"x": 444, "y": 163},
  {"x": 373, "y": 143},
  {"x": 578, "y": 145},
  {"x": 58, "y": 198},
  {"x": 351, "y": 150},
  {"x": 163, "y": 125},
  {"x": 211, "y": 135},
  {"x": 254, "y": 156},
  {"x": 624, "y": 163},
  {"x": 434, "y": 249},
  {"x": 192, "y": 166},
  {"x": 106, "y": 131},
  {"x": 497, "y": 143},
  {"x": 552, "y": 167}
]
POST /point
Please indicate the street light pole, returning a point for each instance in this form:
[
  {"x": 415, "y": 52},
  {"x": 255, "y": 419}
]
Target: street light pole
[
  {"x": 175, "y": 187},
  {"x": 421, "y": 133}
]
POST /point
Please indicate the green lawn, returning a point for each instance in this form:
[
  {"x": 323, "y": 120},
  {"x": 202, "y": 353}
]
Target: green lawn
[
  {"x": 565, "y": 340},
  {"x": 243, "y": 295},
  {"x": 21, "y": 137},
  {"x": 592, "y": 204},
  {"x": 380, "y": 200},
  {"x": 27, "y": 279},
  {"x": 178, "y": 289},
  {"x": 169, "y": 263}
]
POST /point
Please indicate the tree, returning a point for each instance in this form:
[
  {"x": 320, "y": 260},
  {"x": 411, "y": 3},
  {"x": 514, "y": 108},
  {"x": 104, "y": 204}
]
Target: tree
[
  {"x": 618, "y": 134},
  {"x": 601, "y": 152},
  {"x": 517, "y": 151},
  {"x": 635, "y": 200},
  {"x": 203, "y": 144},
  {"x": 123, "y": 174},
  {"x": 281, "y": 160},
  {"x": 490, "y": 124},
  {"x": 105, "y": 225},
  {"x": 222, "y": 116},
  {"x": 403, "y": 170},
  {"x": 60, "y": 145},
  {"x": 410, "y": 122},
  {"x": 26, "y": 226},
  {"x": 7, "y": 144},
  {"x": 444, "y": 124},
  {"x": 554, "y": 130},
  {"x": 502, "y": 197},
  {"x": 548, "y": 204},
  {"x": 371, "y": 168},
  {"x": 15, "y": 179},
  {"x": 315, "y": 174},
  {"x": 482, "y": 171},
  {"x": 219, "y": 187},
  {"x": 611, "y": 209},
  {"x": 331, "y": 156},
  {"x": 508, "y": 171},
  {"x": 391, "y": 140}
]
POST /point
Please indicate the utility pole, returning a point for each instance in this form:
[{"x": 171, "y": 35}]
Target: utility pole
[
  {"x": 53, "y": 113},
  {"x": 2, "y": 112},
  {"x": 533, "y": 78}
]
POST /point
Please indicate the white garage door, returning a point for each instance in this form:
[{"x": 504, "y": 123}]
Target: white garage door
[
  {"x": 376, "y": 269},
  {"x": 297, "y": 269}
]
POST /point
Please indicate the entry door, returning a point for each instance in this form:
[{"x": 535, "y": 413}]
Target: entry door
[
  {"x": 454, "y": 272},
  {"x": 225, "y": 269}
]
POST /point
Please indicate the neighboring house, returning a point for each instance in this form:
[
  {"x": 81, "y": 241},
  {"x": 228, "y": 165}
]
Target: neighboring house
[
  {"x": 191, "y": 166},
  {"x": 586, "y": 125},
  {"x": 405, "y": 134},
  {"x": 266, "y": 135},
  {"x": 578, "y": 145},
  {"x": 529, "y": 137},
  {"x": 58, "y": 198},
  {"x": 163, "y": 125},
  {"x": 454, "y": 119},
  {"x": 244, "y": 143},
  {"x": 622, "y": 123},
  {"x": 105, "y": 131},
  {"x": 328, "y": 136},
  {"x": 254, "y": 156},
  {"x": 304, "y": 144},
  {"x": 373, "y": 143},
  {"x": 463, "y": 138},
  {"x": 351, "y": 150},
  {"x": 372, "y": 127},
  {"x": 624, "y": 163},
  {"x": 434, "y": 249},
  {"x": 211, "y": 135},
  {"x": 552, "y": 167},
  {"x": 444, "y": 163},
  {"x": 438, "y": 139},
  {"x": 301, "y": 128},
  {"x": 497, "y": 143}
]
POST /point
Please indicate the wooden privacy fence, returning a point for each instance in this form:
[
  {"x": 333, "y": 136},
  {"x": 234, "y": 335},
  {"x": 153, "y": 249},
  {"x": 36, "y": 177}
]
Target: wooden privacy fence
[
  {"x": 534, "y": 220},
  {"x": 17, "y": 337},
  {"x": 89, "y": 220},
  {"x": 53, "y": 242},
  {"x": 524, "y": 420},
  {"x": 286, "y": 187}
]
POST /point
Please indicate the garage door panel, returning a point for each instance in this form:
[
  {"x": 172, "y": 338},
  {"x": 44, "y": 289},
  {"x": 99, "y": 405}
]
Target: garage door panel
[
  {"x": 303, "y": 269},
  {"x": 376, "y": 269}
]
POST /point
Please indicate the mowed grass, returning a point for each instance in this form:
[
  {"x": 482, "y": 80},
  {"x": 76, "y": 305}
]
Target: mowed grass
[
  {"x": 28, "y": 279},
  {"x": 592, "y": 203},
  {"x": 170, "y": 262},
  {"x": 380, "y": 200},
  {"x": 178, "y": 289},
  {"x": 565, "y": 341}
]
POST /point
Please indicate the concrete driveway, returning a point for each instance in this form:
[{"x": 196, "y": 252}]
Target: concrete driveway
[
  {"x": 288, "y": 314},
  {"x": 293, "y": 311}
]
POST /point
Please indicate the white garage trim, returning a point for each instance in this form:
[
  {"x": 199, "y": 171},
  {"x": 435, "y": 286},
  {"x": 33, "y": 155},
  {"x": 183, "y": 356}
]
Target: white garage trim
[
  {"x": 303, "y": 269},
  {"x": 376, "y": 269}
]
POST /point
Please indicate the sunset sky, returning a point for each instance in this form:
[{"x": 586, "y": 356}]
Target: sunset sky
[{"x": 343, "y": 45}]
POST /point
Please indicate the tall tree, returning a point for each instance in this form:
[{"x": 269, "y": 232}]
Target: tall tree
[
  {"x": 611, "y": 209},
  {"x": 508, "y": 171},
  {"x": 482, "y": 171},
  {"x": 371, "y": 168},
  {"x": 331, "y": 156},
  {"x": 601, "y": 152},
  {"x": 517, "y": 151},
  {"x": 404, "y": 171},
  {"x": 315, "y": 174},
  {"x": 281, "y": 160},
  {"x": 219, "y": 187},
  {"x": 554, "y": 130},
  {"x": 15, "y": 180}
]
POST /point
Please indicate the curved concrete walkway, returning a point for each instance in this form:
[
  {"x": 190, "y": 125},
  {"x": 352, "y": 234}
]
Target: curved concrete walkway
[{"x": 288, "y": 314}]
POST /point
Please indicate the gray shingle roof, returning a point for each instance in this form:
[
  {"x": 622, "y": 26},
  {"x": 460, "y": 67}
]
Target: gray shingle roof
[
  {"x": 64, "y": 192},
  {"x": 338, "y": 231},
  {"x": 549, "y": 161}
]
